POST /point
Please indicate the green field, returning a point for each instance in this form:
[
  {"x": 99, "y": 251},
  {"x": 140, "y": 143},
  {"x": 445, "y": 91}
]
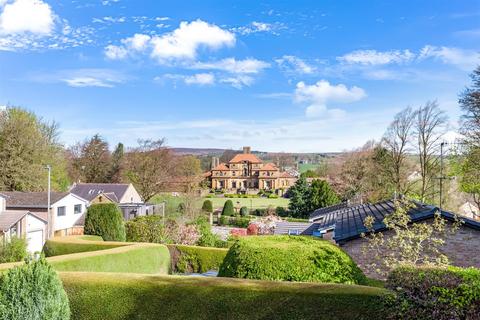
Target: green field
[
  {"x": 251, "y": 203},
  {"x": 308, "y": 166}
]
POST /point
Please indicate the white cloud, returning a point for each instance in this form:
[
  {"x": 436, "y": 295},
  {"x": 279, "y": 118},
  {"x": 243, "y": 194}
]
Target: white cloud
[
  {"x": 34, "y": 16},
  {"x": 109, "y": 2},
  {"x": 294, "y": 64},
  {"x": 239, "y": 81},
  {"x": 465, "y": 59},
  {"x": 88, "y": 78},
  {"x": 184, "y": 42},
  {"x": 256, "y": 27},
  {"x": 373, "y": 57},
  {"x": 115, "y": 52},
  {"x": 246, "y": 66},
  {"x": 200, "y": 79},
  {"x": 181, "y": 44},
  {"x": 319, "y": 95}
]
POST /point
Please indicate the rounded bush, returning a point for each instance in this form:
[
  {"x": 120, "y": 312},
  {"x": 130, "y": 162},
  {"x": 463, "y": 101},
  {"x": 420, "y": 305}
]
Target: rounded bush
[
  {"x": 228, "y": 208},
  {"x": 244, "y": 211},
  {"x": 33, "y": 291},
  {"x": 207, "y": 206},
  {"x": 290, "y": 258},
  {"x": 105, "y": 220}
]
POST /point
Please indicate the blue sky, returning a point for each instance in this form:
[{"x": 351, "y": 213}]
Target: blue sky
[{"x": 300, "y": 76}]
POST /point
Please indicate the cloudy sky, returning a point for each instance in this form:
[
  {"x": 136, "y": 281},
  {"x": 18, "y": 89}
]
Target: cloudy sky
[{"x": 277, "y": 75}]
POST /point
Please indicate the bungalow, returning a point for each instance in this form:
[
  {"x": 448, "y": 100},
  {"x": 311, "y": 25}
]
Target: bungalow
[
  {"x": 22, "y": 223},
  {"x": 67, "y": 209},
  {"x": 123, "y": 194},
  {"x": 344, "y": 225}
]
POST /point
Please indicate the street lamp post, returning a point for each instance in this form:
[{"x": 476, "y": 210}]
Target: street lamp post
[{"x": 49, "y": 218}]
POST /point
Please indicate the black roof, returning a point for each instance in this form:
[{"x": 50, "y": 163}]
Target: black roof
[
  {"x": 325, "y": 210},
  {"x": 348, "y": 223}
]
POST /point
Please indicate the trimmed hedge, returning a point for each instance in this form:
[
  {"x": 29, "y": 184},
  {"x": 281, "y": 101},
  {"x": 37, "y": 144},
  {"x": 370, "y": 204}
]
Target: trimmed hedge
[
  {"x": 207, "y": 206},
  {"x": 107, "y": 296},
  {"x": 290, "y": 258},
  {"x": 228, "y": 208},
  {"x": 105, "y": 220},
  {"x": 434, "y": 293},
  {"x": 33, "y": 291},
  {"x": 58, "y": 246},
  {"x": 188, "y": 259}
]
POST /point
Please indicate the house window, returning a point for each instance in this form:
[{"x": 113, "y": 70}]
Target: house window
[
  {"x": 293, "y": 232},
  {"x": 77, "y": 208},
  {"x": 61, "y": 211}
]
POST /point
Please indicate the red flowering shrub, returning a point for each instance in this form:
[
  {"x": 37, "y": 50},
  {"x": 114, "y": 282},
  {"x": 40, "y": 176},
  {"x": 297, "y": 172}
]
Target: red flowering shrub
[{"x": 252, "y": 229}]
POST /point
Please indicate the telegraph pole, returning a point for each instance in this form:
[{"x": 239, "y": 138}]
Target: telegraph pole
[{"x": 49, "y": 218}]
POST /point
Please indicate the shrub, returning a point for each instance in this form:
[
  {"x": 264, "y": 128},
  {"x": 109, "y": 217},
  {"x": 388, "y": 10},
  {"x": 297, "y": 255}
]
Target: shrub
[
  {"x": 259, "y": 212},
  {"x": 434, "y": 293},
  {"x": 228, "y": 208},
  {"x": 105, "y": 220},
  {"x": 147, "y": 229},
  {"x": 207, "y": 206},
  {"x": 273, "y": 196},
  {"x": 238, "y": 232},
  {"x": 13, "y": 250},
  {"x": 33, "y": 291},
  {"x": 281, "y": 212},
  {"x": 196, "y": 259},
  {"x": 207, "y": 238},
  {"x": 252, "y": 229},
  {"x": 290, "y": 258},
  {"x": 244, "y": 211}
]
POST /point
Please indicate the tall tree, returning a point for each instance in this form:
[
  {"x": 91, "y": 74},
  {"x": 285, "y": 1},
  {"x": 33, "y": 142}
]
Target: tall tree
[
  {"x": 298, "y": 205},
  {"x": 27, "y": 144},
  {"x": 470, "y": 103},
  {"x": 320, "y": 195},
  {"x": 429, "y": 126},
  {"x": 92, "y": 160},
  {"x": 396, "y": 140},
  {"x": 116, "y": 166},
  {"x": 149, "y": 167}
]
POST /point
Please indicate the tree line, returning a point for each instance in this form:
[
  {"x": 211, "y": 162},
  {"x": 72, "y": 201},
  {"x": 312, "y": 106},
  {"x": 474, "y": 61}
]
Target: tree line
[{"x": 28, "y": 143}]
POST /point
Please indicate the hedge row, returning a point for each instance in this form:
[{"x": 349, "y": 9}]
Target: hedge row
[
  {"x": 290, "y": 258},
  {"x": 437, "y": 294},
  {"x": 74, "y": 244},
  {"x": 107, "y": 296},
  {"x": 188, "y": 259}
]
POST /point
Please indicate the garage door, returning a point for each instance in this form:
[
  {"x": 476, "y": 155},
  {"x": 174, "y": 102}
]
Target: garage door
[{"x": 35, "y": 241}]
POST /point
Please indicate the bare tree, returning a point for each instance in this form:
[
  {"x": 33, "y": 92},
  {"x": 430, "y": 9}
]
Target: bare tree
[
  {"x": 429, "y": 127},
  {"x": 396, "y": 140},
  {"x": 149, "y": 167}
]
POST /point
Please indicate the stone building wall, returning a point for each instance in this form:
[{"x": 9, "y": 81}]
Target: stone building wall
[{"x": 461, "y": 247}]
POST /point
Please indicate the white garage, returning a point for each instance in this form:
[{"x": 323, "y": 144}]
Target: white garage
[{"x": 24, "y": 224}]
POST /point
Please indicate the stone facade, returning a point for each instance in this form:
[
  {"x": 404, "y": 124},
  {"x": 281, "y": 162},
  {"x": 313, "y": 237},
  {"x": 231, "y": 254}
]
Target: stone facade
[
  {"x": 246, "y": 172},
  {"x": 461, "y": 247}
]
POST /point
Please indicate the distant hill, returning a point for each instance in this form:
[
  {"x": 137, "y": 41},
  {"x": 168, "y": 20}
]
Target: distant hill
[{"x": 198, "y": 151}]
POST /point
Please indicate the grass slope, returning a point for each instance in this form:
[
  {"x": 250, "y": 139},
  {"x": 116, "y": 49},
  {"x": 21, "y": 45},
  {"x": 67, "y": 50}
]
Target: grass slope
[{"x": 133, "y": 296}]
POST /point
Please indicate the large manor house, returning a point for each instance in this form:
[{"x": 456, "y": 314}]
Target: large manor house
[{"x": 245, "y": 172}]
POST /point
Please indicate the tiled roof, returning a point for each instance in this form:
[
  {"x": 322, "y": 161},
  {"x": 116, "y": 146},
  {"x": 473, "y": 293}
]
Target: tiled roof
[
  {"x": 245, "y": 157},
  {"x": 286, "y": 175},
  {"x": 317, "y": 214},
  {"x": 269, "y": 167},
  {"x": 89, "y": 191},
  {"x": 17, "y": 199},
  {"x": 304, "y": 229},
  {"x": 10, "y": 217},
  {"x": 221, "y": 167},
  {"x": 111, "y": 196}
]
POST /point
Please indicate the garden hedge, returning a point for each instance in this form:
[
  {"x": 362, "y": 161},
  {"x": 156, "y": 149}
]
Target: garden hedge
[
  {"x": 290, "y": 258},
  {"x": 105, "y": 220},
  {"x": 434, "y": 293},
  {"x": 58, "y": 246},
  {"x": 131, "y": 296},
  {"x": 195, "y": 259},
  {"x": 228, "y": 209},
  {"x": 33, "y": 291},
  {"x": 207, "y": 206}
]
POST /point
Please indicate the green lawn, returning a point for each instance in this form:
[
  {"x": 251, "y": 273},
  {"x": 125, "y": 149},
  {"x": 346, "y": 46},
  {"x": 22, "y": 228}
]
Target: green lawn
[
  {"x": 308, "y": 166},
  {"x": 251, "y": 203},
  {"x": 134, "y": 296}
]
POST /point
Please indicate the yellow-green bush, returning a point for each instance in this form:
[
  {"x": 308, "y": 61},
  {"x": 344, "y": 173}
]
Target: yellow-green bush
[{"x": 290, "y": 258}]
